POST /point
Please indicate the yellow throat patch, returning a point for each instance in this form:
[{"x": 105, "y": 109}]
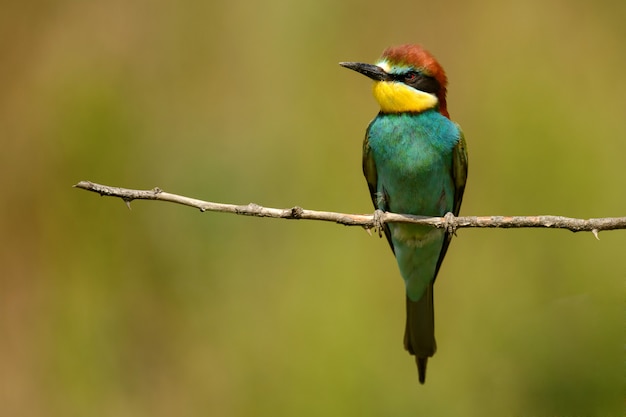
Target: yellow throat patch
[{"x": 395, "y": 97}]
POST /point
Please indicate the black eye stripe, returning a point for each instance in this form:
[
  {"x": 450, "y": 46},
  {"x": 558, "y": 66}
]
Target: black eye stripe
[
  {"x": 401, "y": 77},
  {"x": 420, "y": 81}
]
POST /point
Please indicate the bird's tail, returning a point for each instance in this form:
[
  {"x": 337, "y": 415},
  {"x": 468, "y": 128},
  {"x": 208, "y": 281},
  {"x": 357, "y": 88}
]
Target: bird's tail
[{"x": 419, "y": 335}]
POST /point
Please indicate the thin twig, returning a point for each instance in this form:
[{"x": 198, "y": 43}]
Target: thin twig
[{"x": 367, "y": 221}]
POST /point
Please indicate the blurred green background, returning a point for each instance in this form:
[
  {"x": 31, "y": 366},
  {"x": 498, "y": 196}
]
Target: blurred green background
[{"x": 163, "y": 311}]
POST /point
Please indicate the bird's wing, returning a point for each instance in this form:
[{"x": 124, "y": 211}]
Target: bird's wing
[
  {"x": 459, "y": 172},
  {"x": 459, "y": 178},
  {"x": 371, "y": 176}
]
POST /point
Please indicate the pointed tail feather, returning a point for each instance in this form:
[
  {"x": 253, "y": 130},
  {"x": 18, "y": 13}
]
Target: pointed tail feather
[
  {"x": 419, "y": 335},
  {"x": 421, "y": 368}
]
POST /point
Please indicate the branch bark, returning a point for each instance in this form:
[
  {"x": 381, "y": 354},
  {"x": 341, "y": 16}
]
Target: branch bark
[{"x": 367, "y": 221}]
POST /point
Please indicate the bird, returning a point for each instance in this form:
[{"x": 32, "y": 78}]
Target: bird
[{"x": 415, "y": 162}]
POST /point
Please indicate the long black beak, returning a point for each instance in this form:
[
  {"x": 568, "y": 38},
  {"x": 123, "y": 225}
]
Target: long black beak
[{"x": 372, "y": 71}]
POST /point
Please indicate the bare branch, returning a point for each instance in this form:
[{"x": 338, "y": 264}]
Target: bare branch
[{"x": 367, "y": 221}]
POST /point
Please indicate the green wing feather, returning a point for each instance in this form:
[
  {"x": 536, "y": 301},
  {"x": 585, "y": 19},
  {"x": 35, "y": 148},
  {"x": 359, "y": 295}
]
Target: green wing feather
[
  {"x": 459, "y": 177},
  {"x": 369, "y": 169},
  {"x": 371, "y": 176}
]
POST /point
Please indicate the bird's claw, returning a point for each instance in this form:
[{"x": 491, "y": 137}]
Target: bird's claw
[
  {"x": 449, "y": 223},
  {"x": 378, "y": 222}
]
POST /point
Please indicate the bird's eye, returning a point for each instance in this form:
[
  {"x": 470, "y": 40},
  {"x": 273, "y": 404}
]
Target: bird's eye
[{"x": 410, "y": 77}]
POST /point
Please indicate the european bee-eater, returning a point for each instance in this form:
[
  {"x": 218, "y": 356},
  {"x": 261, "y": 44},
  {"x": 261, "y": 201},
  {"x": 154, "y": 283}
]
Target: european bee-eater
[{"x": 415, "y": 162}]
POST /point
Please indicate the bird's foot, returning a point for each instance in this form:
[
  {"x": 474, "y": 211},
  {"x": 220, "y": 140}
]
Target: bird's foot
[
  {"x": 449, "y": 223},
  {"x": 378, "y": 221}
]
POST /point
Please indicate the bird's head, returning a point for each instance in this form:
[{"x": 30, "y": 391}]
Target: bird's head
[{"x": 407, "y": 78}]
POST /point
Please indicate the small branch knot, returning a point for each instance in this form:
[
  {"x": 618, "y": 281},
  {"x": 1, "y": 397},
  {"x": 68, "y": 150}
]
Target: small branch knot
[{"x": 296, "y": 212}]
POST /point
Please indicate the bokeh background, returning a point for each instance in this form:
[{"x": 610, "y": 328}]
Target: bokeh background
[{"x": 164, "y": 311}]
